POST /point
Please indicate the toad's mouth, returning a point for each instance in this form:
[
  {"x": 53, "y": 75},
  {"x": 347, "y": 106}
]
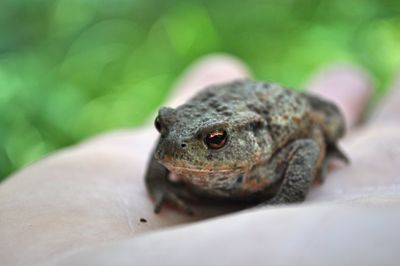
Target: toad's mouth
[
  {"x": 181, "y": 168},
  {"x": 204, "y": 170}
]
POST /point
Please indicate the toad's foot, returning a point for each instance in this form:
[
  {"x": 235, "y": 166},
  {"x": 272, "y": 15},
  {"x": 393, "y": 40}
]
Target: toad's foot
[{"x": 164, "y": 191}]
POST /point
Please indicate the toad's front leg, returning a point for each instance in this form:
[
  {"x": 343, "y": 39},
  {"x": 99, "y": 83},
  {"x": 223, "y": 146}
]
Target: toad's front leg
[
  {"x": 304, "y": 158},
  {"x": 163, "y": 190}
]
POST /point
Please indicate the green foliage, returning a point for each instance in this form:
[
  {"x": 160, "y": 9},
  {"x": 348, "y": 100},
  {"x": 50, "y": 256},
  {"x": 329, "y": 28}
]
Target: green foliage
[{"x": 73, "y": 68}]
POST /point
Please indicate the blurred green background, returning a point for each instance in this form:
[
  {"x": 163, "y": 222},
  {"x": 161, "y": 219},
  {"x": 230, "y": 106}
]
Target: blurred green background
[{"x": 73, "y": 68}]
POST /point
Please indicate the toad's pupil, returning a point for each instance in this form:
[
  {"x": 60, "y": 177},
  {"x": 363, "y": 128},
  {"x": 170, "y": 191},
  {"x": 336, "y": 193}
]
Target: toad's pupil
[{"x": 216, "y": 139}]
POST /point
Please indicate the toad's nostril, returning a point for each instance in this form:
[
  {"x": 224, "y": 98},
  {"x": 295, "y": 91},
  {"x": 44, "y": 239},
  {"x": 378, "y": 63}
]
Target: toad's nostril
[{"x": 183, "y": 145}]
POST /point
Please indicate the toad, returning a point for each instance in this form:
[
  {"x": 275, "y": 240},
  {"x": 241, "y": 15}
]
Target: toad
[{"x": 243, "y": 141}]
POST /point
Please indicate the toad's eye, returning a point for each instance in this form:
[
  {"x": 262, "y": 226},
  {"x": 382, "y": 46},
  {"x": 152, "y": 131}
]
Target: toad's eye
[
  {"x": 216, "y": 139},
  {"x": 157, "y": 124}
]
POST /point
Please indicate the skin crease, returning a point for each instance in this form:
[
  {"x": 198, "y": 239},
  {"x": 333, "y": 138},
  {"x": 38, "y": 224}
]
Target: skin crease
[{"x": 83, "y": 205}]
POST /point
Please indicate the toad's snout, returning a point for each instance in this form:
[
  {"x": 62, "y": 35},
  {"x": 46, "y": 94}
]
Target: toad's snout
[{"x": 170, "y": 149}]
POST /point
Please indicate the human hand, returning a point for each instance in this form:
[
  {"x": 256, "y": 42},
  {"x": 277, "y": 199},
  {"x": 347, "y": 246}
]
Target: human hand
[{"x": 94, "y": 194}]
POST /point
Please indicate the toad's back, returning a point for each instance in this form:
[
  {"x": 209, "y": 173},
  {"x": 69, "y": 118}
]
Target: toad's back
[{"x": 289, "y": 114}]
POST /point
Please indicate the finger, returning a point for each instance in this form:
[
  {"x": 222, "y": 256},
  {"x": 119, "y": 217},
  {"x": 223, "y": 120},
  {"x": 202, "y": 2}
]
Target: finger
[
  {"x": 388, "y": 110},
  {"x": 206, "y": 71},
  {"x": 347, "y": 86}
]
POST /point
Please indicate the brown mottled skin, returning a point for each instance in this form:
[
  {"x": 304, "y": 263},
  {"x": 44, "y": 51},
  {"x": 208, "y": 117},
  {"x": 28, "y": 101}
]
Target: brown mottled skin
[{"x": 278, "y": 142}]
